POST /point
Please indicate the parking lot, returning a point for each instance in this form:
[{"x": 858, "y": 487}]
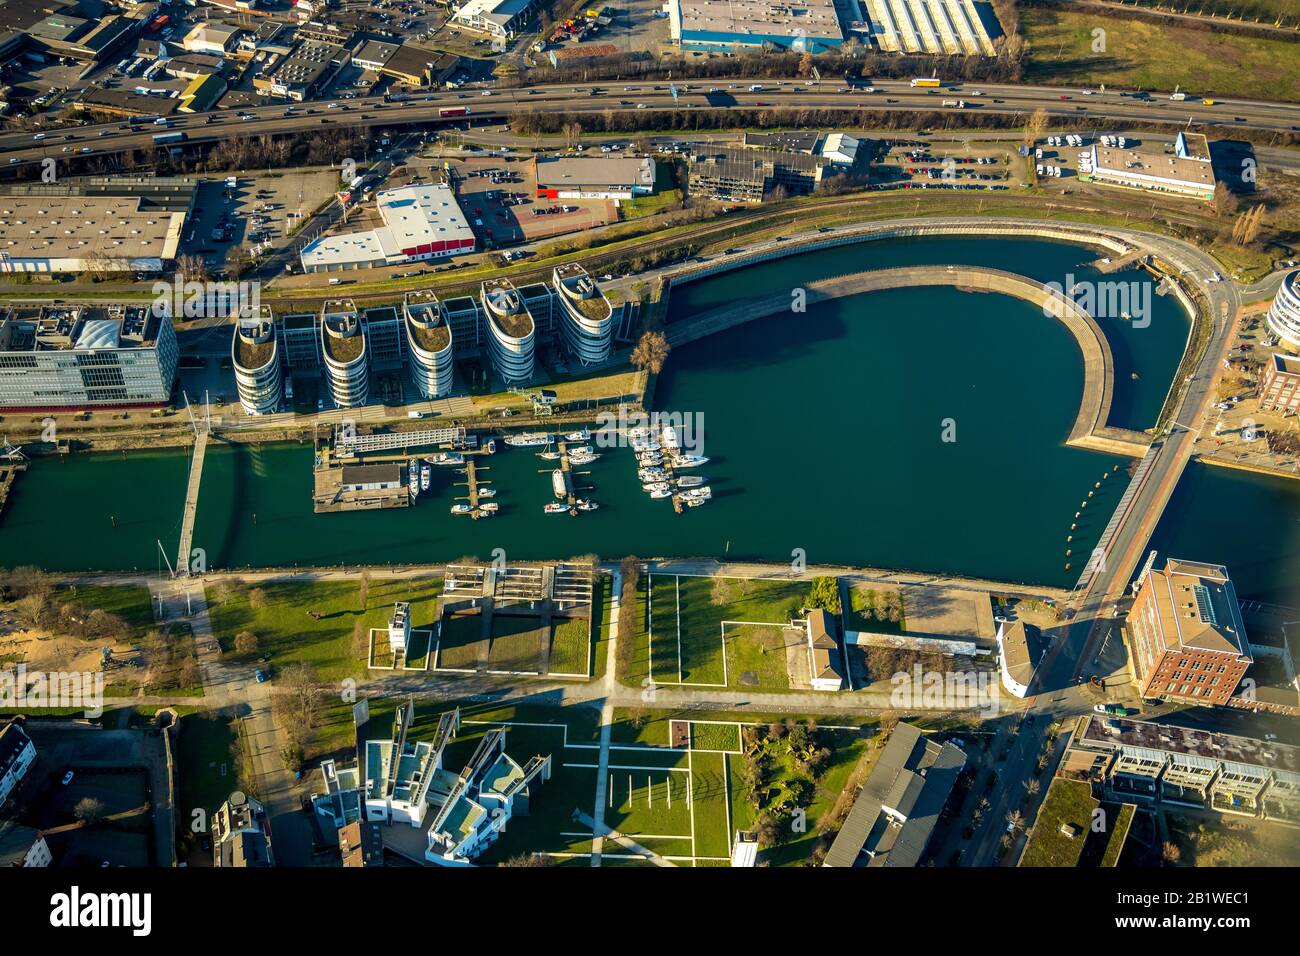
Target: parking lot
[
  {"x": 258, "y": 213},
  {"x": 499, "y": 199},
  {"x": 917, "y": 164}
]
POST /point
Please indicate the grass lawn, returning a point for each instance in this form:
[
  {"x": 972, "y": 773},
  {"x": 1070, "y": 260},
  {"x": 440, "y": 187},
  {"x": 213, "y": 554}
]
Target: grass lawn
[
  {"x": 652, "y": 807},
  {"x": 1156, "y": 57},
  {"x": 602, "y": 597},
  {"x": 417, "y": 649},
  {"x": 204, "y": 767},
  {"x": 1118, "y": 834},
  {"x": 756, "y": 655},
  {"x": 665, "y": 195},
  {"x": 1068, "y": 801},
  {"x": 702, "y": 604},
  {"x": 517, "y": 644},
  {"x": 715, "y": 737},
  {"x": 863, "y": 599},
  {"x": 128, "y": 601},
  {"x": 287, "y": 634},
  {"x": 710, "y": 790},
  {"x": 460, "y": 644},
  {"x": 570, "y": 645}
]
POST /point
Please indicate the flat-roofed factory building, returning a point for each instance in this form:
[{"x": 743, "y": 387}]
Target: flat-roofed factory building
[
  {"x": 811, "y": 26},
  {"x": 591, "y": 177},
  {"x": 420, "y": 222},
  {"x": 80, "y": 233},
  {"x": 1187, "y": 171}
]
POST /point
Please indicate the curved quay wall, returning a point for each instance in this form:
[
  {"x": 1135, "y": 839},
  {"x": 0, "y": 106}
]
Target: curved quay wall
[{"x": 1090, "y": 429}]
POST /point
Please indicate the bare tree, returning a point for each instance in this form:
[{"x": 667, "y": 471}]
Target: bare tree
[
  {"x": 1035, "y": 125},
  {"x": 246, "y": 643},
  {"x": 651, "y": 352},
  {"x": 89, "y": 811}
]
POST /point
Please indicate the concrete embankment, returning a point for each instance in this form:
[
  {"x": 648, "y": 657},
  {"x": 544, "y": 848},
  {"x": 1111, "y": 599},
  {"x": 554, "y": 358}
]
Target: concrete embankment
[{"x": 1090, "y": 429}]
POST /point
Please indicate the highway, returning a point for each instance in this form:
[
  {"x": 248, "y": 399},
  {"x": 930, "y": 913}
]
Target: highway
[{"x": 1124, "y": 111}]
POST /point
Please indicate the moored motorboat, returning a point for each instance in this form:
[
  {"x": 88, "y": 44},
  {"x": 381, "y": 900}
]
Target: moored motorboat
[
  {"x": 690, "y": 481},
  {"x": 527, "y": 439},
  {"x": 485, "y": 492},
  {"x": 582, "y": 435},
  {"x": 583, "y": 504},
  {"x": 688, "y": 461},
  {"x": 461, "y": 509},
  {"x": 661, "y": 492},
  {"x": 425, "y": 474},
  {"x": 555, "y": 508}
]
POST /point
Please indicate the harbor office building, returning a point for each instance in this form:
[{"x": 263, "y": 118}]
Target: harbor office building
[
  {"x": 1188, "y": 638},
  {"x": 92, "y": 357},
  {"x": 426, "y": 335}
]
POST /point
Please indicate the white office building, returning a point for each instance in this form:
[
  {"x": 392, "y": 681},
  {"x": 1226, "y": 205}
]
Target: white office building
[
  {"x": 586, "y": 317},
  {"x": 255, "y": 357},
  {"x": 343, "y": 346},
  {"x": 429, "y": 344},
  {"x": 511, "y": 331},
  {"x": 1284, "y": 314}
]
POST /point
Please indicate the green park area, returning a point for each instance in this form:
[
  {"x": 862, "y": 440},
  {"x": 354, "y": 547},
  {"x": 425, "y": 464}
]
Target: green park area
[
  {"x": 716, "y": 631},
  {"x": 1063, "y": 50},
  {"x": 324, "y": 624}
]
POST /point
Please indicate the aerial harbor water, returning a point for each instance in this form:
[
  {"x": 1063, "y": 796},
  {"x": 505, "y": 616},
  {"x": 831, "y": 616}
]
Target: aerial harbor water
[{"x": 825, "y": 432}]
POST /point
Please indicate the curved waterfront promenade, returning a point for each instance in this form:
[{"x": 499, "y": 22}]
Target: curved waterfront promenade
[{"x": 1090, "y": 429}]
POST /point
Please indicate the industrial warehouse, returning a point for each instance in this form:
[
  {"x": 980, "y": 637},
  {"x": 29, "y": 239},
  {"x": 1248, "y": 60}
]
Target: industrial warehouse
[
  {"x": 84, "y": 233},
  {"x": 594, "y": 177},
  {"x": 1187, "y": 172},
  {"x": 939, "y": 27},
  {"x": 420, "y": 222}
]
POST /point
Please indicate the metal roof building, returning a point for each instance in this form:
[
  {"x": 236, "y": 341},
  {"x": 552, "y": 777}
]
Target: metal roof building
[{"x": 898, "y": 807}]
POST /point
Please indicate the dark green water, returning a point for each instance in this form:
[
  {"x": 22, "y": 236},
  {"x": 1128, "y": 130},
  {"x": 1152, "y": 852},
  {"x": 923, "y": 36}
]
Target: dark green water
[
  {"x": 824, "y": 433},
  {"x": 1249, "y": 523}
]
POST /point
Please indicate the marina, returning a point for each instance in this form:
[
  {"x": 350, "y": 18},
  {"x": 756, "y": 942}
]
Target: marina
[{"x": 923, "y": 504}]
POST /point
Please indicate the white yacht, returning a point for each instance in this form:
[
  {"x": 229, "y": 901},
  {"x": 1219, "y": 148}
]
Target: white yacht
[
  {"x": 583, "y": 504},
  {"x": 425, "y": 474},
  {"x": 528, "y": 439},
  {"x": 487, "y": 492},
  {"x": 555, "y": 508},
  {"x": 690, "y": 481},
  {"x": 688, "y": 461},
  {"x": 582, "y": 435},
  {"x": 461, "y": 509}
]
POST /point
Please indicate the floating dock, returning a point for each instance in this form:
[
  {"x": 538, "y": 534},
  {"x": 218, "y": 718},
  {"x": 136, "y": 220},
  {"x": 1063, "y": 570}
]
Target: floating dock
[{"x": 11, "y": 466}]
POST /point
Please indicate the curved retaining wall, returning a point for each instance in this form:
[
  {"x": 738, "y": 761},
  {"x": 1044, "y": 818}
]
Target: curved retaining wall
[{"x": 1090, "y": 429}]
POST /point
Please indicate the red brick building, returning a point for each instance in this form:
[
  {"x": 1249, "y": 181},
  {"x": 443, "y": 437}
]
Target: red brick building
[
  {"x": 1188, "y": 640},
  {"x": 1279, "y": 389}
]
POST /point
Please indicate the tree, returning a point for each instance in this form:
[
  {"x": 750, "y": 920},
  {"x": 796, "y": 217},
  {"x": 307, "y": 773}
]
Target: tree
[
  {"x": 651, "y": 352},
  {"x": 1224, "y": 203},
  {"x": 1284, "y": 442},
  {"x": 1016, "y": 819},
  {"x": 1032, "y": 787},
  {"x": 89, "y": 811},
  {"x": 529, "y": 860},
  {"x": 825, "y": 594},
  {"x": 1035, "y": 125},
  {"x": 246, "y": 643},
  {"x": 296, "y": 706},
  {"x": 363, "y": 592},
  {"x": 1170, "y": 855},
  {"x": 256, "y": 599}
]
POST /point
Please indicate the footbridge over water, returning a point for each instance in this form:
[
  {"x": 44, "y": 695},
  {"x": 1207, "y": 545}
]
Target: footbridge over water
[{"x": 1090, "y": 429}]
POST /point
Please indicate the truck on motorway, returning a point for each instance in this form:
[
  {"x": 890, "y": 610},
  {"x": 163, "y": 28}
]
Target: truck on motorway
[
  {"x": 176, "y": 136},
  {"x": 932, "y": 82},
  {"x": 955, "y": 104},
  {"x": 453, "y": 111}
]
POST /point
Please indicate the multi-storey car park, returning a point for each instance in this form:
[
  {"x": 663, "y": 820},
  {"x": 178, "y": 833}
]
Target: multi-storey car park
[
  {"x": 511, "y": 331},
  {"x": 429, "y": 339},
  {"x": 116, "y": 356},
  {"x": 343, "y": 346},
  {"x": 1284, "y": 313}
]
